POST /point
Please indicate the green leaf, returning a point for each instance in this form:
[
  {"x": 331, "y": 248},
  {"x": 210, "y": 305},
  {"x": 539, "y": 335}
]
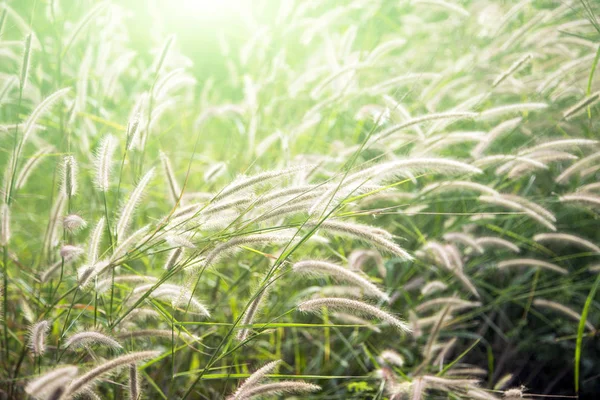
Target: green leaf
[{"x": 580, "y": 330}]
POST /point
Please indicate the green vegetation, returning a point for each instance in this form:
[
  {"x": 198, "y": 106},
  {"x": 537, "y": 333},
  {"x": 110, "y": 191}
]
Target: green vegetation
[{"x": 363, "y": 199}]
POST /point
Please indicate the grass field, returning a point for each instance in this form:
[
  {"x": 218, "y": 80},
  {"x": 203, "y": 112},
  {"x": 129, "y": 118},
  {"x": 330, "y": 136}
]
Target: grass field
[{"x": 357, "y": 199}]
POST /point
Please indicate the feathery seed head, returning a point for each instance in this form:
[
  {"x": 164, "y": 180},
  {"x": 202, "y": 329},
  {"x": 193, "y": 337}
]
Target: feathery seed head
[
  {"x": 103, "y": 162},
  {"x": 129, "y": 207},
  {"x": 173, "y": 258},
  {"x": 69, "y": 176},
  {"x": 514, "y": 393},
  {"x": 344, "y": 274},
  {"x": 73, "y": 223},
  {"x": 280, "y": 388},
  {"x": 84, "y": 339},
  {"x": 355, "y": 306},
  {"x": 69, "y": 252},
  {"x": 254, "y": 379},
  {"x": 92, "y": 375},
  {"x": 392, "y": 357},
  {"x": 37, "y": 337},
  {"x": 47, "y": 384},
  {"x": 4, "y": 224}
]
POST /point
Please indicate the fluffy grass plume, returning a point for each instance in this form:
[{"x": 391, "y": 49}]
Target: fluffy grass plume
[
  {"x": 328, "y": 158},
  {"x": 353, "y": 306},
  {"x": 316, "y": 267},
  {"x": 95, "y": 373}
]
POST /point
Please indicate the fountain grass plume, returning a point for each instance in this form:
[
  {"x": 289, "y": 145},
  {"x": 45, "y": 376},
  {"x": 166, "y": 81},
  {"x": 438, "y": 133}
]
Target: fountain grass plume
[
  {"x": 576, "y": 167},
  {"x": 279, "y": 388},
  {"x": 103, "y": 162},
  {"x": 174, "y": 188},
  {"x": 354, "y": 306},
  {"x": 566, "y": 237},
  {"x": 69, "y": 176},
  {"x": 31, "y": 123},
  {"x": 84, "y": 339},
  {"x": 73, "y": 223},
  {"x": 454, "y": 302},
  {"x": 134, "y": 384},
  {"x": 47, "y": 384},
  {"x": 511, "y": 204},
  {"x": 362, "y": 232},
  {"x": 531, "y": 262},
  {"x": 564, "y": 310},
  {"x": 465, "y": 239},
  {"x": 254, "y": 379},
  {"x": 178, "y": 295},
  {"x": 95, "y": 373},
  {"x": 129, "y": 207},
  {"x": 251, "y": 312},
  {"x": 31, "y": 165},
  {"x": 338, "y": 272},
  {"x": 246, "y": 182},
  {"x": 225, "y": 248},
  {"x": 433, "y": 287},
  {"x": 485, "y": 241},
  {"x": 95, "y": 242},
  {"x": 585, "y": 199},
  {"x": 37, "y": 337},
  {"x": 581, "y": 105},
  {"x": 512, "y": 69}
]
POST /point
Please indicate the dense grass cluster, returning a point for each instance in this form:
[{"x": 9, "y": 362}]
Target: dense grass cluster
[{"x": 372, "y": 199}]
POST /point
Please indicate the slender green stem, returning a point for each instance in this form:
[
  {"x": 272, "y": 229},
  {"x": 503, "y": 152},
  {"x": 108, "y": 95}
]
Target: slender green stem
[{"x": 5, "y": 302}]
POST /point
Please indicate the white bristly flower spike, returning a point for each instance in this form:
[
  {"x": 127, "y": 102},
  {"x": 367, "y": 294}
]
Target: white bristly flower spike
[
  {"x": 92, "y": 375},
  {"x": 174, "y": 189},
  {"x": 51, "y": 383},
  {"x": 4, "y": 224},
  {"x": 565, "y": 237},
  {"x": 37, "y": 337},
  {"x": 317, "y": 267},
  {"x": 254, "y": 379},
  {"x": 132, "y": 202},
  {"x": 355, "y": 306},
  {"x": 279, "y": 388},
  {"x": 580, "y": 106},
  {"x": 513, "y": 68},
  {"x": 84, "y": 339},
  {"x": 73, "y": 223},
  {"x": 69, "y": 176},
  {"x": 104, "y": 162}
]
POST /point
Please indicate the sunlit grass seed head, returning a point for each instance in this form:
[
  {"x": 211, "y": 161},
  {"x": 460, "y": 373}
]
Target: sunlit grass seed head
[
  {"x": 322, "y": 163},
  {"x": 173, "y": 258},
  {"x": 87, "y": 338},
  {"x": 73, "y": 223},
  {"x": 89, "y": 378},
  {"x": 103, "y": 162},
  {"x": 37, "y": 337},
  {"x": 316, "y": 267},
  {"x": 130, "y": 205},
  {"x": 255, "y": 378},
  {"x": 54, "y": 381},
  {"x": 280, "y": 388},
  {"x": 4, "y": 224},
  {"x": 69, "y": 176},
  {"x": 69, "y": 252},
  {"x": 433, "y": 287},
  {"x": 353, "y": 306}
]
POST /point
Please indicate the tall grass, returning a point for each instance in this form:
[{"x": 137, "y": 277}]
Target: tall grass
[{"x": 421, "y": 176}]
